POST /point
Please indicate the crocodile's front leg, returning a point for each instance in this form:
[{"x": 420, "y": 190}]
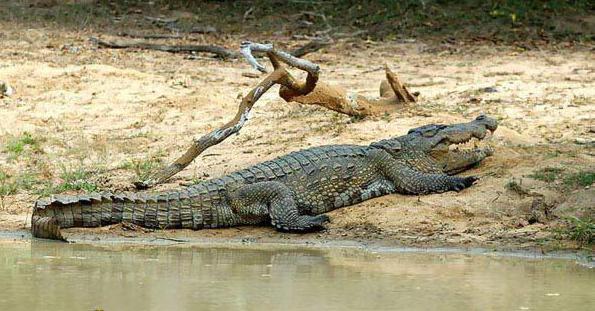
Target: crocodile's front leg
[
  {"x": 272, "y": 200},
  {"x": 412, "y": 181}
]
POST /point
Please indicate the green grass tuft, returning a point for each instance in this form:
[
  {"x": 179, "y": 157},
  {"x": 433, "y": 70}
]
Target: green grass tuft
[
  {"x": 72, "y": 179},
  {"x": 143, "y": 168},
  {"x": 578, "y": 229},
  {"x": 17, "y": 145},
  {"x": 580, "y": 179},
  {"x": 548, "y": 174},
  {"x": 513, "y": 185},
  {"x": 76, "y": 179},
  {"x": 10, "y": 185}
]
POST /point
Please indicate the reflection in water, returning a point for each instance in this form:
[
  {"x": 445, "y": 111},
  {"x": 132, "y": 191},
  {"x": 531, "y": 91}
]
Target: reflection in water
[{"x": 57, "y": 276}]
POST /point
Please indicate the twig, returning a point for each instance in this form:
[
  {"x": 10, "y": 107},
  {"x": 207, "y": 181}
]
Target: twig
[
  {"x": 172, "y": 239},
  {"x": 159, "y": 20},
  {"x": 310, "y": 47},
  {"x": 342, "y": 35},
  {"x": 217, "y": 50},
  {"x": 247, "y": 48},
  {"x": 203, "y": 29},
  {"x": 26, "y": 218},
  {"x": 134, "y": 227},
  {"x": 373, "y": 70},
  {"x": 247, "y": 13},
  {"x": 150, "y": 36},
  {"x": 250, "y": 75}
]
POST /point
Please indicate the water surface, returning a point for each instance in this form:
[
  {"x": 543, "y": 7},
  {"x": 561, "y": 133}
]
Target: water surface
[{"x": 56, "y": 276}]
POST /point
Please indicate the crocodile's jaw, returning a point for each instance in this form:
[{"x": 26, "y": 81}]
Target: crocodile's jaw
[
  {"x": 456, "y": 147},
  {"x": 459, "y": 160},
  {"x": 461, "y": 146}
]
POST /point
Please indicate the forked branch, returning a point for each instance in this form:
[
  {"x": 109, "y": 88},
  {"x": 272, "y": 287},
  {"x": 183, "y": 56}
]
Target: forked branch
[{"x": 278, "y": 76}]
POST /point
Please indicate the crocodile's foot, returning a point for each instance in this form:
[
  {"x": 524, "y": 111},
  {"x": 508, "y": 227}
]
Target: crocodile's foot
[
  {"x": 465, "y": 182},
  {"x": 305, "y": 224}
]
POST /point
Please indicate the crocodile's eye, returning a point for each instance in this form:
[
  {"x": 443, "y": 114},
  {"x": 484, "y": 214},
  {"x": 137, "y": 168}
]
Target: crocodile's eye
[{"x": 430, "y": 132}]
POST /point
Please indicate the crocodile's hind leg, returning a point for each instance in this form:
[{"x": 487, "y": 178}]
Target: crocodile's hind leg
[{"x": 255, "y": 202}]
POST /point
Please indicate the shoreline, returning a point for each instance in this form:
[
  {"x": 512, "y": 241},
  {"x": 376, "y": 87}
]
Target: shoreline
[{"x": 374, "y": 247}]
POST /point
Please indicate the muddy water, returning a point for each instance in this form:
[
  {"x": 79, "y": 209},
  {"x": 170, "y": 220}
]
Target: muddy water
[{"x": 56, "y": 276}]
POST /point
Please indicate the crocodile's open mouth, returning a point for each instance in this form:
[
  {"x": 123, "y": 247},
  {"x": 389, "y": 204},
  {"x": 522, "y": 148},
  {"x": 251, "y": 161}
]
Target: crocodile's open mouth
[
  {"x": 472, "y": 146},
  {"x": 470, "y": 143},
  {"x": 474, "y": 137}
]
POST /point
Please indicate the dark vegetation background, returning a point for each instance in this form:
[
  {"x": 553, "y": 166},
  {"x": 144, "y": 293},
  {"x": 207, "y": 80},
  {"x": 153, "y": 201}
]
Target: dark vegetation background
[{"x": 523, "y": 23}]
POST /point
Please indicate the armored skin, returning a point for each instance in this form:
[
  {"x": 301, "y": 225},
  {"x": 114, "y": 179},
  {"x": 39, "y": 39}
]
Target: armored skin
[{"x": 291, "y": 192}]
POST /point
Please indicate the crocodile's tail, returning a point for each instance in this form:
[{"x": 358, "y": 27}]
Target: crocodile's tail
[{"x": 160, "y": 210}]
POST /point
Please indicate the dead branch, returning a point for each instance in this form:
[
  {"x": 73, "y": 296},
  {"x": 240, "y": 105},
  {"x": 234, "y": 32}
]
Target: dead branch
[
  {"x": 161, "y": 21},
  {"x": 203, "y": 29},
  {"x": 247, "y": 48},
  {"x": 392, "y": 93},
  {"x": 149, "y": 36},
  {"x": 278, "y": 76},
  {"x": 396, "y": 86},
  {"x": 217, "y": 50},
  {"x": 310, "y": 47}
]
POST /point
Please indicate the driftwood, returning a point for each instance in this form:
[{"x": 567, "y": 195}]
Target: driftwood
[
  {"x": 279, "y": 76},
  {"x": 311, "y": 92},
  {"x": 217, "y": 50},
  {"x": 392, "y": 93}
]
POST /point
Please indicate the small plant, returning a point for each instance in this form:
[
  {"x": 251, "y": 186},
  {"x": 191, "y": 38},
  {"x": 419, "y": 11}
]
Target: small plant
[
  {"x": 553, "y": 154},
  {"x": 143, "y": 168},
  {"x": 10, "y": 185},
  {"x": 516, "y": 187},
  {"x": 6, "y": 188},
  {"x": 76, "y": 179},
  {"x": 578, "y": 229},
  {"x": 17, "y": 145},
  {"x": 548, "y": 174},
  {"x": 513, "y": 185},
  {"x": 580, "y": 179}
]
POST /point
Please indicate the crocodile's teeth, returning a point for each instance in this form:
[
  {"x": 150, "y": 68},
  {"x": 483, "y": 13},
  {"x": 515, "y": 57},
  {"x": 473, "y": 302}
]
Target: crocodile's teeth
[{"x": 471, "y": 144}]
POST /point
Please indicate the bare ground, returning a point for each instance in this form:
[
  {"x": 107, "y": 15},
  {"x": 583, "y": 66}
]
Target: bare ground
[{"x": 98, "y": 109}]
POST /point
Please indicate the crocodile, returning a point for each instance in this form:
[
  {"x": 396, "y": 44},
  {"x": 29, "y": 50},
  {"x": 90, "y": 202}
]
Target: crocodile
[{"x": 291, "y": 192}]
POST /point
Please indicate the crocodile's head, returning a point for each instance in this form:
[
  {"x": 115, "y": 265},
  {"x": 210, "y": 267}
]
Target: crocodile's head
[{"x": 453, "y": 148}]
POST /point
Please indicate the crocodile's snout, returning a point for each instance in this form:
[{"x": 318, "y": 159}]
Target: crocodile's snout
[{"x": 489, "y": 122}]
